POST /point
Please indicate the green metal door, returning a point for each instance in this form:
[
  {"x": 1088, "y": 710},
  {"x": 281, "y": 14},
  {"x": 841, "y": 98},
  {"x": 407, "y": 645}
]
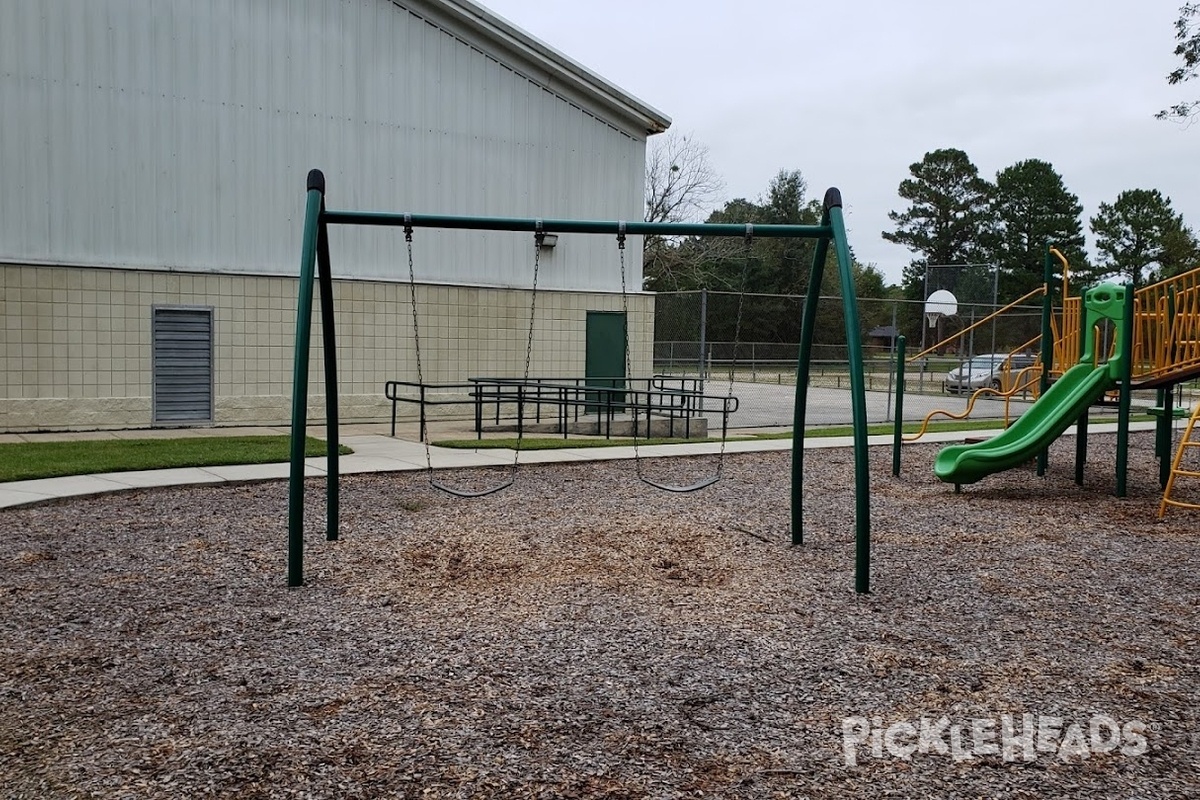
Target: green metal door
[{"x": 604, "y": 359}]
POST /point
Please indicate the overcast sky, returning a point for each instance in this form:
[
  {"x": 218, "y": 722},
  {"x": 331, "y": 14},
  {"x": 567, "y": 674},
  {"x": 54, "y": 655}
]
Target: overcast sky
[{"x": 853, "y": 93}]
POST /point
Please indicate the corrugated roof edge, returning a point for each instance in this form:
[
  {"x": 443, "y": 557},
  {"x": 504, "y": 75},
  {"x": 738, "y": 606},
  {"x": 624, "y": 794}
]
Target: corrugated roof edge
[{"x": 500, "y": 30}]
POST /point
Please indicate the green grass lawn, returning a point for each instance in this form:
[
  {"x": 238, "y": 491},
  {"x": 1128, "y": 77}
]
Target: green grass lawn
[{"x": 29, "y": 460}]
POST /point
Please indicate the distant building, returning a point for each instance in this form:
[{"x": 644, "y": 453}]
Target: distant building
[
  {"x": 882, "y": 337},
  {"x": 152, "y": 200}
]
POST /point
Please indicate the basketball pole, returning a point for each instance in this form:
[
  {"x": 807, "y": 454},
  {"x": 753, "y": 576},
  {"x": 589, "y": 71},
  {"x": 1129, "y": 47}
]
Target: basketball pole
[{"x": 924, "y": 300}]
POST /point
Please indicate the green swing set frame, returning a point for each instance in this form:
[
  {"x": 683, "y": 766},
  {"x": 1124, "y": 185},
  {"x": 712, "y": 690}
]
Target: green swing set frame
[{"x": 315, "y": 267}]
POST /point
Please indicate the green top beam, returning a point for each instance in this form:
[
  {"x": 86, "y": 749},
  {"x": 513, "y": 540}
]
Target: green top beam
[{"x": 573, "y": 225}]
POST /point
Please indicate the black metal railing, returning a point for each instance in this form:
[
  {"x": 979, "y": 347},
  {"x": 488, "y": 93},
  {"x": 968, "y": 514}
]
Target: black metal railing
[{"x": 533, "y": 400}]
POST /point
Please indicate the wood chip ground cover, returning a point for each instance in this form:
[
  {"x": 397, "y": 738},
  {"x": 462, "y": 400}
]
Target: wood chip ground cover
[{"x": 584, "y": 635}]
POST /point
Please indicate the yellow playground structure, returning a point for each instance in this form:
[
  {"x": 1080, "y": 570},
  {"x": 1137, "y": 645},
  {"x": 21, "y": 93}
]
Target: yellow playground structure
[
  {"x": 1115, "y": 342},
  {"x": 1181, "y": 468}
]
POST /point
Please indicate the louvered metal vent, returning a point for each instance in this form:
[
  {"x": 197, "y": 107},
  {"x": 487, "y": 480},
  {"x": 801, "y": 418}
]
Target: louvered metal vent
[{"x": 183, "y": 364}]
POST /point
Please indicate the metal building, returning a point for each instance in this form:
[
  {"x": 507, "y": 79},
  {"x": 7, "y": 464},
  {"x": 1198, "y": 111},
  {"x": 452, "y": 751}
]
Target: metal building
[{"x": 155, "y": 158}]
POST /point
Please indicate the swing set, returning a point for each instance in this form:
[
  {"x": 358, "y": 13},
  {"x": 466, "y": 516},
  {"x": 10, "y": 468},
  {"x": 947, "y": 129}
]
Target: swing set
[
  {"x": 315, "y": 267},
  {"x": 729, "y": 399}
]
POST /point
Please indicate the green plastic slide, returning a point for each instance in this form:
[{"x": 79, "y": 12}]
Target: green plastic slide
[{"x": 1062, "y": 404}]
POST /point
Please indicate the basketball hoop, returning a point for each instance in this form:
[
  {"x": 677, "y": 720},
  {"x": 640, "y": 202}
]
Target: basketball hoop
[{"x": 940, "y": 304}]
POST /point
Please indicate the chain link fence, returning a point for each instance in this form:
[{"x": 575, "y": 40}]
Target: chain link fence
[{"x": 696, "y": 334}]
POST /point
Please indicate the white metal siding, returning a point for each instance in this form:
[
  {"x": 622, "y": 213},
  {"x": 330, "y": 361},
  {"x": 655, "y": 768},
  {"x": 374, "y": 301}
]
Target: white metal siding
[{"x": 178, "y": 134}]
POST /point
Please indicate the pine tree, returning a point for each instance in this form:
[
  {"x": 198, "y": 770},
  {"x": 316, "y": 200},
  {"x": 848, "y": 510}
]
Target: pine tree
[
  {"x": 1141, "y": 238},
  {"x": 947, "y": 219},
  {"x": 1032, "y": 208}
]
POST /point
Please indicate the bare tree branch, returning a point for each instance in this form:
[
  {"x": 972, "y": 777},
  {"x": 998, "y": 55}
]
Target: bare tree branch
[
  {"x": 681, "y": 186},
  {"x": 667, "y": 266}
]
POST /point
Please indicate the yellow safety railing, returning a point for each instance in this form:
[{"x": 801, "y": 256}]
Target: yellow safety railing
[
  {"x": 1026, "y": 380},
  {"x": 1064, "y": 340},
  {"x": 1166, "y": 336},
  {"x": 1181, "y": 467},
  {"x": 1166, "y": 340},
  {"x": 1027, "y": 296},
  {"x": 1166, "y": 329},
  {"x": 1028, "y": 347},
  {"x": 1066, "y": 336}
]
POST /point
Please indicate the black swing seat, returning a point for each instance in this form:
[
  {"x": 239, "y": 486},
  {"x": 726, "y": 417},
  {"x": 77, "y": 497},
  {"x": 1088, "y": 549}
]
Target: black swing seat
[
  {"x": 691, "y": 487},
  {"x": 441, "y": 487}
]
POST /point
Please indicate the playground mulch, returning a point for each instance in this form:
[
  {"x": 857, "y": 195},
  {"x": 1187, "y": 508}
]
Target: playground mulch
[{"x": 583, "y": 635}]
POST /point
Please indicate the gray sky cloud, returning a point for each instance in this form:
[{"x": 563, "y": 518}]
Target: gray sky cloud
[{"x": 852, "y": 94}]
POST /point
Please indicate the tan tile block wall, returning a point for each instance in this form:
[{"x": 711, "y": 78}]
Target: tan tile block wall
[{"x": 75, "y": 342}]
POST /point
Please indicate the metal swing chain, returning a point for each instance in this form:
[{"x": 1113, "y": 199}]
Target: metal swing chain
[
  {"x": 538, "y": 238},
  {"x": 747, "y": 249},
  {"x": 637, "y": 461},
  {"x": 412, "y": 294},
  {"x": 737, "y": 335}
]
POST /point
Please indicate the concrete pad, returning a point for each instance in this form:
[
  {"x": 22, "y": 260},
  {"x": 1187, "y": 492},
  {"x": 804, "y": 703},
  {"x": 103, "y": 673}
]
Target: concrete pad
[
  {"x": 381, "y": 445},
  {"x": 773, "y": 445},
  {"x": 322, "y": 433},
  {"x": 252, "y": 472},
  {"x": 360, "y": 429},
  {"x": 166, "y": 433},
  {"x": 451, "y": 459},
  {"x": 10, "y": 498},
  {"x": 355, "y": 465},
  {"x": 67, "y": 436},
  {"x": 143, "y": 479},
  {"x": 201, "y": 433},
  {"x": 578, "y": 456},
  {"x": 667, "y": 450},
  {"x": 556, "y": 456},
  {"x": 603, "y": 453},
  {"x": 71, "y": 486},
  {"x": 261, "y": 430}
]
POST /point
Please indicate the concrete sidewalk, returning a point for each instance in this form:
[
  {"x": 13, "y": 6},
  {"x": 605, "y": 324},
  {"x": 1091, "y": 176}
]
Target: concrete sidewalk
[{"x": 375, "y": 451}]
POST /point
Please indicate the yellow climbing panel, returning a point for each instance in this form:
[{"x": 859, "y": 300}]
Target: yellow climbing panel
[{"x": 1178, "y": 465}]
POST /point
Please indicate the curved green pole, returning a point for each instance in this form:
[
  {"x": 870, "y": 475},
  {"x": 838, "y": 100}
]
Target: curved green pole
[
  {"x": 1125, "y": 395},
  {"x": 898, "y": 434},
  {"x": 308, "y": 258},
  {"x": 832, "y": 216},
  {"x": 1047, "y": 344},
  {"x": 329, "y": 350},
  {"x": 803, "y": 368},
  {"x": 1086, "y": 338},
  {"x": 858, "y": 399},
  {"x": 1166, "y": 397}
]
